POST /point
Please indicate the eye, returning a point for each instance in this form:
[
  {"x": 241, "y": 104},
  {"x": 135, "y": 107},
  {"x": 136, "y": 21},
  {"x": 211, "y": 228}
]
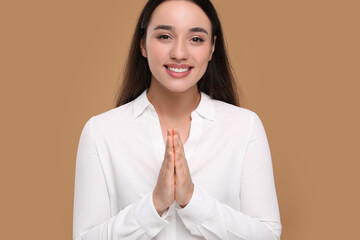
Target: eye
[
  {"x": 197, "y": 39},
  {"x": 163, "y": 36}
]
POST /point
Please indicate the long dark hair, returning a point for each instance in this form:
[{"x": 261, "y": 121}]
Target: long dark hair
[{"x": 218, "y": 81}]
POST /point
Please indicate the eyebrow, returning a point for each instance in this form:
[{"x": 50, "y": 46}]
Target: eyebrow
[
  {"x": 170, "y": 28},
  {"x": 198, "y": 29},
  {"x": 164, "y": 27}
]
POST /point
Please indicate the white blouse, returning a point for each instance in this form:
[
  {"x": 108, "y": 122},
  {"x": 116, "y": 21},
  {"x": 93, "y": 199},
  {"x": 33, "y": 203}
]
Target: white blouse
[{"x": 120, "y": 155}]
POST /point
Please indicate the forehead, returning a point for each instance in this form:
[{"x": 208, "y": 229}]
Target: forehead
[{"x": 182, "y": 15}]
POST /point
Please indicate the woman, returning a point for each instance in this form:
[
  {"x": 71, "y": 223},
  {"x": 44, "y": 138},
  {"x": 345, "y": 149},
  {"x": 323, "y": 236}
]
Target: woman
[{"x": 177, "y": 158}]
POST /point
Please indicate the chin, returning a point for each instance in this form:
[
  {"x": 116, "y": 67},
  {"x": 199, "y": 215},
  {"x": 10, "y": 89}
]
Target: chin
[{"x": 179, "y": 88}]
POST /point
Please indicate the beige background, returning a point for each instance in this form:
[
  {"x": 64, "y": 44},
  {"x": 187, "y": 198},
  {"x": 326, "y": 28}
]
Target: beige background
[{"x": 297, "y": 62}]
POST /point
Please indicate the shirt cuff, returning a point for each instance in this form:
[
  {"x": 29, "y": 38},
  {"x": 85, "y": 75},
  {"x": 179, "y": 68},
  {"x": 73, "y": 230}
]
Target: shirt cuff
[
  {"x": 148, "y": 217},
  {"x": 199, "y": 209}
]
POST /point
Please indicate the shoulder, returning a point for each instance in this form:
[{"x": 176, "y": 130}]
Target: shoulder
[
  {"x": 225, "y": 112},
  {"x": 106, "y": 121},
  {"x": 122, "y": 112},
  {"x": 238, "y": 120}
]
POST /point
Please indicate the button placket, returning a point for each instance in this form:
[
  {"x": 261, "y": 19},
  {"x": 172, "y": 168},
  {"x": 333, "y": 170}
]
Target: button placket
[
  {"x": 156, "y": 135},
  {"x": 194, "y": 136}
]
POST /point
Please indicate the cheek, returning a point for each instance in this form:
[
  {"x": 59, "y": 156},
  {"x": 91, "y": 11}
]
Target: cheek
[
  {"x": 156, "y": 52},
  {"x": 202, "y": 55}
]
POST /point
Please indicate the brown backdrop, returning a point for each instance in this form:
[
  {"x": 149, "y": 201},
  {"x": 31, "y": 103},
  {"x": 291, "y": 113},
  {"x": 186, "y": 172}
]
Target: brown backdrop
[{"x": 297, "y": 62}]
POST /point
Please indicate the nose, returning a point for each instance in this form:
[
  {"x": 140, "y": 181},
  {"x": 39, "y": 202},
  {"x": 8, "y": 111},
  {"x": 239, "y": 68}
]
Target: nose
[{"x": 179, "y": 50}]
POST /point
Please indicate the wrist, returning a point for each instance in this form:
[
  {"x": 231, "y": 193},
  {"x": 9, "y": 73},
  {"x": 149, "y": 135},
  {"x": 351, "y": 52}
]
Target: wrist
[
  {"x": 160, "y": 208},
  {"x": 189, "y": 197}
]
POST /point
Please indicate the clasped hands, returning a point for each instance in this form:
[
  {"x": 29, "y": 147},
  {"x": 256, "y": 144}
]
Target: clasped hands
[{"x": 174, "y": 181}]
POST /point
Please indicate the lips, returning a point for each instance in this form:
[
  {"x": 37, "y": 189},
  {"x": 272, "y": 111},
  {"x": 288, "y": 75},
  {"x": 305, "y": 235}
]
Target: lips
[{"x": 178, "y": 70}]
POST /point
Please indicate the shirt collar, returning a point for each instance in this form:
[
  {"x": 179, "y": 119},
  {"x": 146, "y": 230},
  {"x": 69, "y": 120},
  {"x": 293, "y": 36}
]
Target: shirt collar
[
  {"x": 140, "y": 104},
  {"x": 206, "y": 107}
]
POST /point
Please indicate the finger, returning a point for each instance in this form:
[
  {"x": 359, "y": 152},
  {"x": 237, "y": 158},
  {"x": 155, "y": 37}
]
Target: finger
[
  {"x": 179, "y": 150},
  {"x": 176, "y": 145},
  {"x": 178, "y": 157},
  {"x": 168, "y": 145},
  {"x": 176, "y": 139},
  {"x": 181, "y": 163},
  {"x": 170, "y": 138},
  {"x": 169, "y": 151},
  {"x": 177, "y": 132},
  {"x": 180, "y": 143}
]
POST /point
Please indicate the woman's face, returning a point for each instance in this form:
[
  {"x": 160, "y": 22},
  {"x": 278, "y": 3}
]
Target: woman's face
[{"x": 178, "y": 45}]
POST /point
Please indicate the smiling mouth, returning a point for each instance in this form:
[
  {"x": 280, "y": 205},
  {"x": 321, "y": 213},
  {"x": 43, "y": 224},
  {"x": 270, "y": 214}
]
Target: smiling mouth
[{"x": 178, "y": 70}]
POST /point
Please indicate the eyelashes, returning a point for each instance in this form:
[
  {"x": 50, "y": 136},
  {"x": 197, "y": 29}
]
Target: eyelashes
[
  {"x": 197, "y": 39},
  {"x": 168, "y": 37},
  {"x": 163, "y": 36}
]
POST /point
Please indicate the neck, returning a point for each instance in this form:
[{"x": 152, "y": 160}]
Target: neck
[{"x": 173, "y": 105}]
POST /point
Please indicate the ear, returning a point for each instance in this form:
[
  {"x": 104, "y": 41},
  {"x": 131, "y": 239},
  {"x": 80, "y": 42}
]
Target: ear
[
  {"x": 143, "y": 49},
  {"x": 212, "y": 48}
]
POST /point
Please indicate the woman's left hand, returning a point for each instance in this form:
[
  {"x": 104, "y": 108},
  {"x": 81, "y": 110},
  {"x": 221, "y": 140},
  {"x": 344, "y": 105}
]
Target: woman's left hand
[{"x": 184, "y": 186}]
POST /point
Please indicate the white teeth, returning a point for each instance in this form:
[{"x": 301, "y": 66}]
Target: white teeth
[{"x": 179, "y": 70}]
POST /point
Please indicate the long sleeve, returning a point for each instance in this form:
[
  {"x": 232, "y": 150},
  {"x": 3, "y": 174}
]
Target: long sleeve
[
  {"x": 92, "y": 219},
  {"x": 259, "y": 217}
]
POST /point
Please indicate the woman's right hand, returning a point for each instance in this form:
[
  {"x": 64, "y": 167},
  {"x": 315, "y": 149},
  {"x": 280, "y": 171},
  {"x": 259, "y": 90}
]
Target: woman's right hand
[{"x": 164, "y": 192}]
